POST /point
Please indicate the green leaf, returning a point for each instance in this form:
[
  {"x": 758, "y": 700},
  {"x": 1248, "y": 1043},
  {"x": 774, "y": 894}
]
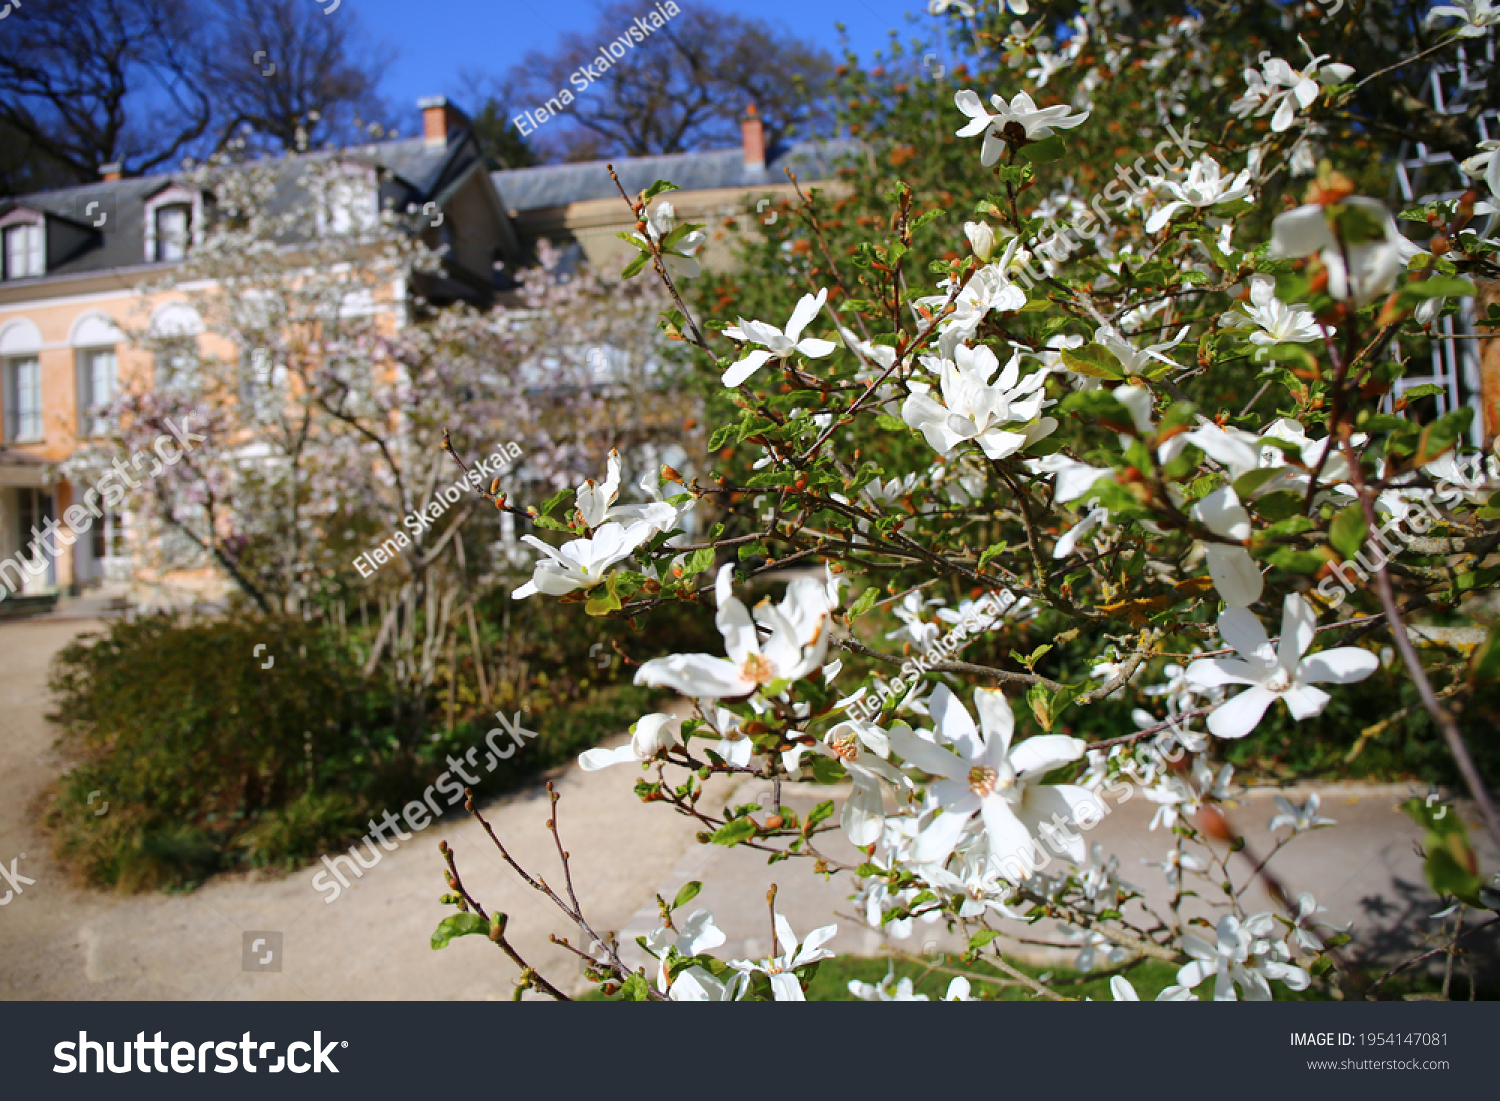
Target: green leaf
[
  {"x": 890, "y": 423},
  {"x": 697, "y": 562},
  {"x": 991, "y": 551},
  {"x": 458, "y": 925},
  {"x": 605, "y": 601},
  {"x": 732, "y": 833},
  {"x": 1046, "y": 150},
  {"x": 1246, "y": 484},
  {"x": 981, "y": 938},
  {"x": 1347, "y": 532},
  {"x": 1426, "y": 390},
  {"x": 659, "y": 187},
  {"x": 1442, "y": 435},
  {"x": 820, "y": 812},
  {"x": 688, "y": 892},
  {"x": 633, "y": 268},
  {"x": 1295, "y": 561},
  {"x": 635, "y": 989},
  {"x": 1281, "y": 505},
  {"x": 1093, "y": 360},
  {"x": 865, "y": 602}
]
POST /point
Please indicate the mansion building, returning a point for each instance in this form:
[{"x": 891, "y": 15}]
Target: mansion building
[{"x": 75, "y": 265}]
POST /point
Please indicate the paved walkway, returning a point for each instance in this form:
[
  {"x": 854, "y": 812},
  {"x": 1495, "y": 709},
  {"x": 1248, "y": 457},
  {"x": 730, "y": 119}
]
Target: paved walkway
[{"x": 61, "y": 941}]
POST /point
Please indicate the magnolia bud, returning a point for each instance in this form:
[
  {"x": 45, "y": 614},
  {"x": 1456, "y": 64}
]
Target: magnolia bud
[{"x": 981, "y": 239}]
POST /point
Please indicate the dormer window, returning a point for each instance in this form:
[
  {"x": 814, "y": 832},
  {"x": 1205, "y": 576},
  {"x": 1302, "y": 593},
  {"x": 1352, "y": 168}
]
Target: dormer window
[
  {"x": 174, "y": 221},
  {"x": 25, "y": 251},
  {"x": 350, "y": 201},
  {"x": 173, "y": 230}
]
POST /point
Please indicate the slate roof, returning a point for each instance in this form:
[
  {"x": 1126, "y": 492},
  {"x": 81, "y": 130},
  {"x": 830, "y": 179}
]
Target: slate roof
[
  {"x": 524, "y": 189},
  {"x": 417, "y": 172}
]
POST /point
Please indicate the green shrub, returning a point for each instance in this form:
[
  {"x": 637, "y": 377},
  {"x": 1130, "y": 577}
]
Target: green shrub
[{"x": 209, "y": 762}]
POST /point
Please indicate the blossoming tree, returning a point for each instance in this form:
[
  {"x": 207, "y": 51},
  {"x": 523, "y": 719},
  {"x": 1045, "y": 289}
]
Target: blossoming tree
[{"x": 1143, "y": 429}]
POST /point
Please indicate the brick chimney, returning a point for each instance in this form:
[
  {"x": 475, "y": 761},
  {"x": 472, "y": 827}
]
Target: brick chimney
[
  {"x": 439, "y": 119},
  {"x": 109, "y": 173},
  {"x": 753, "y": 135}
]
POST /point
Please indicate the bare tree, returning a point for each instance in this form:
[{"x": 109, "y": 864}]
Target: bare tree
[
  {"x": 683, "y": 86},
  {"x": 90, "y": 82},
  {"x": 298, "y": 77}
]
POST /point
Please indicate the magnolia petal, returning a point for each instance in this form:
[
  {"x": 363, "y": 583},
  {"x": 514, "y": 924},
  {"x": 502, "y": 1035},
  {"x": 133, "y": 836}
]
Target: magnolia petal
[
  {"x": 1299, "y": 623},
  {"x": 936, "y": 843},
  {"x": 695, "y": 675},
  {"x": 816, "y": 349},
  {"x": 1244, "y": 632},
  {"x": 1235, "y": 574},
  {"x": 1217, "y": 672},
  {"x": 1343, "y": 665},
  {"x": 996, "y": 722},
  {"x": 742, "y": 369},
  {"x": 591, "y": 760},
  {"x": 1239, "y": 716},
  {"x": 1304, "y": 701},
  {"x": 1009, "y": 839},
  {"x": 1041, "y": 753}
]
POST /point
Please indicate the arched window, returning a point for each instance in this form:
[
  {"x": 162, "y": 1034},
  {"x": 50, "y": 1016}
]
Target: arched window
[{"x": 21, "y": 380}]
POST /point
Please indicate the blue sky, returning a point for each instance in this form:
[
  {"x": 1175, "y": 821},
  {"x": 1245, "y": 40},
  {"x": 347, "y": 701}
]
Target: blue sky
[{"x": 436, "y": 39}]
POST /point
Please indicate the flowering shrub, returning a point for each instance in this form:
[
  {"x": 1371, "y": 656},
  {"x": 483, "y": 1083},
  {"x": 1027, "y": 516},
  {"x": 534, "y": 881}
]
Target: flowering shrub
[{"x": 1041, "y": 417}]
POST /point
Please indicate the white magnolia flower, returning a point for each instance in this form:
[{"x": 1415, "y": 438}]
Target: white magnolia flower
[
  {"x": 697, "y": 935},
  {"x": 696, "y": 984},
  {"x": 596, "y": 503},
  {"x": 1243, "y": 958},
  {"x": 958, "y": 989},
  {"x": 1074, "y": 478},
  {"x": 1373, "y": 264},
  {"x": 1299, "y": 818},
  {"x": 581, "y": 563},
  {"x": 981, "y": 237},
  {"x": 1280, "y": 88},
  {"x": 1235, "y": 574},
  {"x": 782, "y": 969},
  {"x": 1137, "y": 361},
  {"x": 974, "y": 409},
  {"x": 861, "y": 747},
  {"x": 651, "y": 735},
  {"x": 795, "y": 649},
  {"x": 909, "y": 611},
  {"x": 1303, "y": 932},
  {"x": 985, "y": 776},
  {"x": 883, "y": 991},
  {"x": 778, "y": 343},
  {"x": 734, "y": 746},
  {"x": 988, "y": 289},
  {"x": 1205, "y": 186},
  {"x": 1175, "y": 864},
  {"x": 1019, "y": 119},
  {"x": 1279, "y": 323},
  {"x": 1282, "y": 672},
  {"x": 1476, "y": 14},
  {"x": 1120, "y": 987},
  {"x": 660, "y": 222}
]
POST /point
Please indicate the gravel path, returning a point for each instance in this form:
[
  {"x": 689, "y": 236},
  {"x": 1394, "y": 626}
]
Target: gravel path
[{"x": 58, "y": 941}]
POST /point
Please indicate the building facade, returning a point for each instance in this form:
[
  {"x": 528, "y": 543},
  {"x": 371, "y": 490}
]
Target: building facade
[{"x": 75, "y": 264}]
